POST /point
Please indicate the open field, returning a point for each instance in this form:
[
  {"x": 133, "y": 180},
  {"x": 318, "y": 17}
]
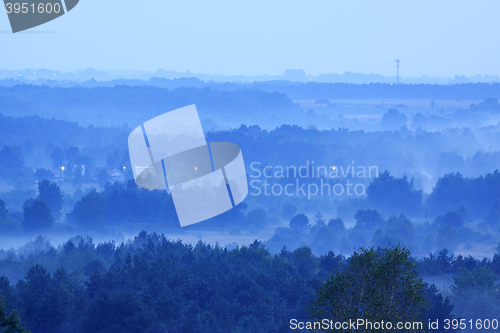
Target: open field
[{"x": 392, "y": 103}]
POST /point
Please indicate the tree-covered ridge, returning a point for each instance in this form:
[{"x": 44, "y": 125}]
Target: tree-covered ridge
[
  {"x": 478, "y": 194},
  {"x": 153, "y": 284},
  {"x": 157, "y": 285},
  {"x": 31, "y": 142},
  {"x": 19, "y": 130},
  {"x": 371, "y": 229},
  {"x": 464, "y": 222},
  {"x": 301, "y": 90},
  {"x": 117, "y": 105}
]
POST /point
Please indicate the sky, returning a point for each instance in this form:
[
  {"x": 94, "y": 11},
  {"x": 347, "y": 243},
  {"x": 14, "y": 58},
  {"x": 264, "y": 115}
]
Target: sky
[{"x": 230, "y": 37}]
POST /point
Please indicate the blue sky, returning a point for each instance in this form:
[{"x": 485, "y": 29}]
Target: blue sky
[{"x": 435, "y": 38}]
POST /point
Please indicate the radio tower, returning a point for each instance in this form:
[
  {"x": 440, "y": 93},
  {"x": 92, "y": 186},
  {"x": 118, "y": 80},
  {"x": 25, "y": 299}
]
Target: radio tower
[{"x": 397, "y": 66}]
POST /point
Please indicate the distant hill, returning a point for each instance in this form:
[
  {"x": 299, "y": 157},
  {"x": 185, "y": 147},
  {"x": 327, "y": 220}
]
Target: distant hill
[
  {"x": 293, "y": 90},
  {"x": 36, "y": 132},
  {"x": 113, "y": 106}
]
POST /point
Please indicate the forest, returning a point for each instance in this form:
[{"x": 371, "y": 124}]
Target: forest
[
  {"x": 154, "y": 284},
  {"x": 82, "y": 252},
  {"x": 294, "y": 90},
  {"x": 249, "y": 167}
]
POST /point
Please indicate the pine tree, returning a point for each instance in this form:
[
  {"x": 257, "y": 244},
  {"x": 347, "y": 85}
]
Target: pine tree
[{"x": 10, "y": 323}]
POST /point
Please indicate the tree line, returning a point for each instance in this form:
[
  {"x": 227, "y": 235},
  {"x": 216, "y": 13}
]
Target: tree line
[
  {"x": 153, "y": 284},
  {"x": 301, "y": 90}
]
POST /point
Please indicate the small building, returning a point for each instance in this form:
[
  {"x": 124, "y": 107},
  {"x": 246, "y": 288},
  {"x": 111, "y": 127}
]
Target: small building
[
  {"x": 58, "y": 175},
  {"x": 116, "y": 175}
]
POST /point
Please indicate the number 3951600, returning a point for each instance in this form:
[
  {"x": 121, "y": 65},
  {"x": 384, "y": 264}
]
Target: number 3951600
[
  {"x": 472, "y": 324},
  {"x": 25, "y": 8}
]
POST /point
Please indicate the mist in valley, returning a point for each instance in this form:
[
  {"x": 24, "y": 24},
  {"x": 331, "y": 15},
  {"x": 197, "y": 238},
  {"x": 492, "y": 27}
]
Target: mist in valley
[{"x": 327, "y": 176}]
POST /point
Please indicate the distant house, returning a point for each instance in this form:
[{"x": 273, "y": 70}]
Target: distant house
[
  {"x": 116, "y": 176},
  {"x": 58, "y": 175}
]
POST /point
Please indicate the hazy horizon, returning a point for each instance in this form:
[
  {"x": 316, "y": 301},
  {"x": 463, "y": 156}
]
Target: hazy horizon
[
  {"x": 435, "y": 39},
  {"x": 292, "y": 75}
]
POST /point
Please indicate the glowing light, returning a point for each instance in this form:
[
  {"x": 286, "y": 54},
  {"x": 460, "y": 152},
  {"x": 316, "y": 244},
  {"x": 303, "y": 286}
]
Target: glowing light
[{"x": 62, "y": 168}]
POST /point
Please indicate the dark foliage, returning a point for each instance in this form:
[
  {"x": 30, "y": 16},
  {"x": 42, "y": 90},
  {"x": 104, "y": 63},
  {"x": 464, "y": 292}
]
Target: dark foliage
[
  {"x": 439, "y": 308},
  {"x": 299, "y": 222},
  {"x": 51, "y": 194},
  {"x": 477, "y": 194},
  {"x": 394, "y": 195},
  {"x": 37, "y": 216},
  {"x": 156, "y": 285},
  {"x": 152, "y": 284},
  {"x": 134, "y": 105}
]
